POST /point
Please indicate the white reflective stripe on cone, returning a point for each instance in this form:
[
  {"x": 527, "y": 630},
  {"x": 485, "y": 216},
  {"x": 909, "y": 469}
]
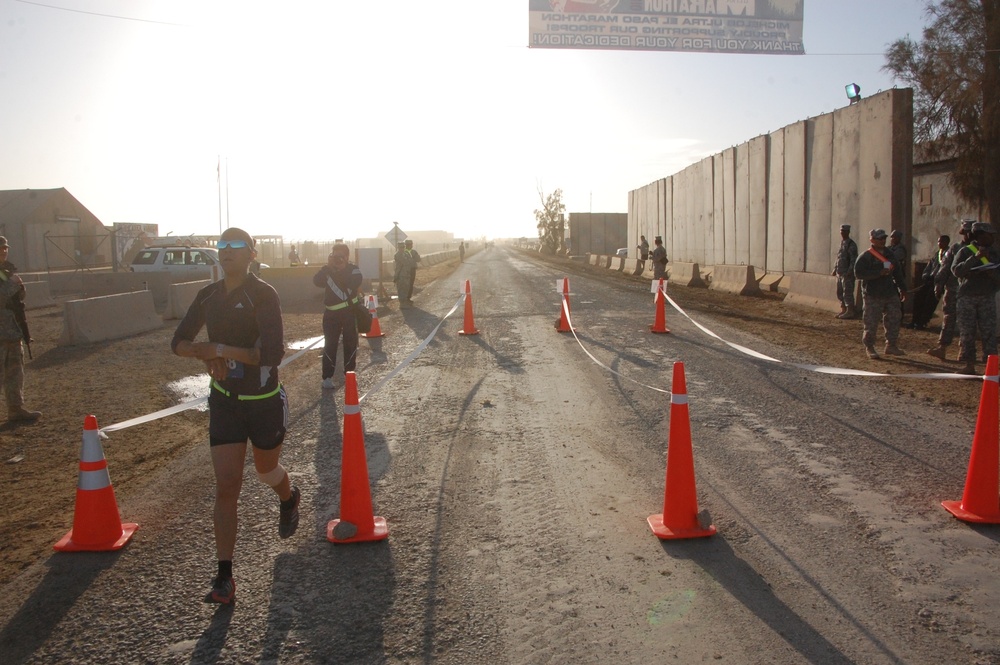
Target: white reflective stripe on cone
[
  {"x": 94, "y": 480},
  {"x": 351, "y": 409},
  {"x": 678, "y": 399}
]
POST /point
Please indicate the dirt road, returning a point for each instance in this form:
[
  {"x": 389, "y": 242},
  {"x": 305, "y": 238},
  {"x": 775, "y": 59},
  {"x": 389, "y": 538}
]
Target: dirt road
[{"x": 516, "y": 473}]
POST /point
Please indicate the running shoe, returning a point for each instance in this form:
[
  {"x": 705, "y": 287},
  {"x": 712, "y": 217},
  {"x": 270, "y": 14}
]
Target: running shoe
[
  {"x": 288, "y": 520},
  {"x": 223, "y": 591},
  {"x": 329, "y": 383}
]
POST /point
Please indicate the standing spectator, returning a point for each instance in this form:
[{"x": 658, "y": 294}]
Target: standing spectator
[
  {"x": 246, "y": 401},
  {"x": 978, "y": 281},
  {"x": 12, "y": 296},
  {"x": 643, "y": 247},
  {"x": 898, "y": 251},
  {"x": 946, "y": 284},
  {"x": 414, "y": 260},
  {"x": 341, "y": 279},
  {"x": 461, "y": 251},
  {"x": 844, "y": 270},
  {"x": 925, "y": 301},
  {"x": 882, "y": 292},
  {"x": 659, "y": 257},
  {"x": 402, "y": 275},
  {"x": 293, "y": 257}
]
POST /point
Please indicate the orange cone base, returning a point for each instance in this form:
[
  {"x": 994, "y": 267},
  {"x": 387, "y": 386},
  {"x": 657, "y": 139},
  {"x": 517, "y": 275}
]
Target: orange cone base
[
  {"x": 654, "y": 329},
  {"x": 468, "y": 332},
  {"x": 956, "y": 509},
  {"x": 381, "y": 532},
  {"x": 67, "y": 544},
  {"x": 369, "y": 335},
  {"x": 664, "y": 532}
]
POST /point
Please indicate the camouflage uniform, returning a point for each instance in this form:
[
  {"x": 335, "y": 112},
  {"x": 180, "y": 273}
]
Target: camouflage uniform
[
  {"x": 12, "y": 362},
  {"x": 880, "y": 295},
  {"x": 977, "y": 310},
  {"x": 947, "y": 284},
  {"x": 846, "y": 257}
]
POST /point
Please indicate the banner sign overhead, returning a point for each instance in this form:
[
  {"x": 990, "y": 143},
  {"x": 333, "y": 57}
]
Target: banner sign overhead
[{"x": 771, "y": 27}]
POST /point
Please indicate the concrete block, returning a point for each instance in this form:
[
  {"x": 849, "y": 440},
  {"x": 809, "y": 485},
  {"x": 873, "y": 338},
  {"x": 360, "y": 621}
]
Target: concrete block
[
  {"x": 740, "y": 280},
  {"x": 631, "y": 266},
  {"x": 593, "y": 258},
  {"x": 772, "y": 282},
  {"x": 807, "y": 289},
  {"x": 684, "y": 274},
  {"x": 617, "y": 263},
  {"x": 108, "y": 317},
  {"x": 180, "y": 296}
]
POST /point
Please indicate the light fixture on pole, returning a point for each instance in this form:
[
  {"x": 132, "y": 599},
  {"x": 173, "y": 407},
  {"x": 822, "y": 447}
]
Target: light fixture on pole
[{"x": 853, "y": 92}]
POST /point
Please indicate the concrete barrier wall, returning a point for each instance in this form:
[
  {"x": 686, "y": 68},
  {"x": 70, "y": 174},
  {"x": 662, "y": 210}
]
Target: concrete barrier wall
[
  {"x": 631, "y": 266},
  {"x": 108, "y": 317},
  {"x": 685, "y": 274},
  {"x": 811, "y": 290},
  {"x": 180, "y": 296},
  {"x": 777, "y": 202},
  {"x": 617, "y": 263},
  {"x": 740, "y": 280},
  {"x": 37, "y": 295},
  {"x": 592, "y": 259}
]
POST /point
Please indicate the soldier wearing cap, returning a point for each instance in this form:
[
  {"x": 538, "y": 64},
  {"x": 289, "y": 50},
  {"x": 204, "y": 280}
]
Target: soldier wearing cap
[
  {"x": 844, "y": 271},
  {"x": 402, "y": 275},
  {"x": 12, "y": 363},
  {"x": 659, "y": 258},
  {"x": 946, "y": 285},
  {"x": 978, "y": 281},
  {"x": 882, "y": 292}
]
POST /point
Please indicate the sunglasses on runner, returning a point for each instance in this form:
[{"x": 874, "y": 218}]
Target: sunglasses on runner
[{"x": 231, "y": 244}]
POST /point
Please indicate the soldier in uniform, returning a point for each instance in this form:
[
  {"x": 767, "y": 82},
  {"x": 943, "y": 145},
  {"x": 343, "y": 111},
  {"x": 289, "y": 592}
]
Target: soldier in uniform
[
  {"x": 882, "y": 292},
  {"x": 659, "y": 258},
  {"x": 946, "y": 284},
  {"x": 414, "y": 260},
  {"x": 925, "y": 300},
  {"x": 844, "y": 271},
  {"x": 978, "y": 281},
  {"x": 12, "y": 361},
  {"x": 402, "y": 276}
]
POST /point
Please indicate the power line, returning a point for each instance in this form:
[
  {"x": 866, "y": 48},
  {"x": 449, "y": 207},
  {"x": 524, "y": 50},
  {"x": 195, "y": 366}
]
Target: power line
[{"x": 80, "y": 11}]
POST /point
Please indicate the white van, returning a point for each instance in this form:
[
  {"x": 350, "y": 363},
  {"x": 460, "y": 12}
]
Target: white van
[{"x": 199, "y": 262}]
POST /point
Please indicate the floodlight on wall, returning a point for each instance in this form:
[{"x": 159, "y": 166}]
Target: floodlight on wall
[{"x": 853, "y": 92}]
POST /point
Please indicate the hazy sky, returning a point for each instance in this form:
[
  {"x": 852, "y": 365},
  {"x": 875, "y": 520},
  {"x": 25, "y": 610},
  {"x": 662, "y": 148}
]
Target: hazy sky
[{"x": 337, "y": 118}]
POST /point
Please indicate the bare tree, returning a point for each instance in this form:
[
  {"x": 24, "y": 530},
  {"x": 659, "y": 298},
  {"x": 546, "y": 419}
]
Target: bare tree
[
  {"x": 955, "y": 73},
  {"x": 551, "y": 221}
]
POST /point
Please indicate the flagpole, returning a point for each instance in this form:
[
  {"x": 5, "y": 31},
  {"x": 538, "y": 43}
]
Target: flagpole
[
  {"x": 218, "y": 182},
  {"x": 227, "y": 192}
]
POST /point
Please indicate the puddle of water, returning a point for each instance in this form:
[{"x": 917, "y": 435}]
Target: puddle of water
[{"x": 194, "y": 387}]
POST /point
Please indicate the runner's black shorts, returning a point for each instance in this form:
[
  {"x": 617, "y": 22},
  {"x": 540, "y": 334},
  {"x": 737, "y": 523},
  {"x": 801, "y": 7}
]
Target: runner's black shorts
[{"x": 262, "y": 421}]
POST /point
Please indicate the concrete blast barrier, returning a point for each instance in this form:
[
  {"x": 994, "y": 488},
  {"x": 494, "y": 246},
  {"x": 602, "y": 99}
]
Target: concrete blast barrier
[
  {"x": 108, "y": 317},
  {"x": 631, "y": 266},
  {"x": 616, "y": 263},
  {"x": 180, "y": 296},
  {"x": 808, "y": 289},
  {"x": 685, "y": 274},
  {"x": 593, "y": 259},
  {"x": 740, "y": 280}
]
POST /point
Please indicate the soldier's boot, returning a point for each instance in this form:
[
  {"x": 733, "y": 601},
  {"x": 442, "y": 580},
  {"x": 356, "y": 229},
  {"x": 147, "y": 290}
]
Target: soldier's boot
[
  {"x": 19, "y": 413},
  {"x": 872, "y": 353},
  {"x": 970, "y": 368},
  {"x": 938, "y": 352},
  {"x": 843, "y": 310},
  {"x": 893, "y": 350},
  {"x": 849, "y": 314}
]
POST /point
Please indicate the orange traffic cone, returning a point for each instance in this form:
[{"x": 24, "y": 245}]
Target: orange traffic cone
[
  {"x": 469, "y": 327},
  {"x": 680, "y": 517},
  {"x": 660, "y": 322},
  {"x": 356, "y": 523},
  {"x": 563, "y": 325},
  {"x": 981, "y": 500},
  {"x": 376, "y": 329},
  {"x": 97, "y": 527}
]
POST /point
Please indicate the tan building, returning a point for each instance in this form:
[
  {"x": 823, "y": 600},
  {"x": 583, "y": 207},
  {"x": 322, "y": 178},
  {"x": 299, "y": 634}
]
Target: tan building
[{"x": 48, "y": 229}]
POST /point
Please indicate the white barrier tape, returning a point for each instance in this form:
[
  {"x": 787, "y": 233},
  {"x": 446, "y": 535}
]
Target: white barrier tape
[
  {"x": 416, "y": 352},
  {"x": 191, "y": 404},
  {"x": 821, "y": 369},
  {"x": 565, "y": 307}
]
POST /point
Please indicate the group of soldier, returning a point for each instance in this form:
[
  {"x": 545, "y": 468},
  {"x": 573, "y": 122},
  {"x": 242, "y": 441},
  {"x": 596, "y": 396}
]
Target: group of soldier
[
  {"x": 965, "y": 274},
  {"x": 405, "y": 273}
]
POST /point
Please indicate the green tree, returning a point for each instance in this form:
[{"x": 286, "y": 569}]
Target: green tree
[
  {"x": 551, "y": 225},
  {"x": 955, "y": 73}
]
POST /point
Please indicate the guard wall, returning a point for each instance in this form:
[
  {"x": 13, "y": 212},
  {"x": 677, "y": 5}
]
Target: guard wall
[
  {"x": 777, "y": 201},
  {"x": 599, "y": 233}
]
